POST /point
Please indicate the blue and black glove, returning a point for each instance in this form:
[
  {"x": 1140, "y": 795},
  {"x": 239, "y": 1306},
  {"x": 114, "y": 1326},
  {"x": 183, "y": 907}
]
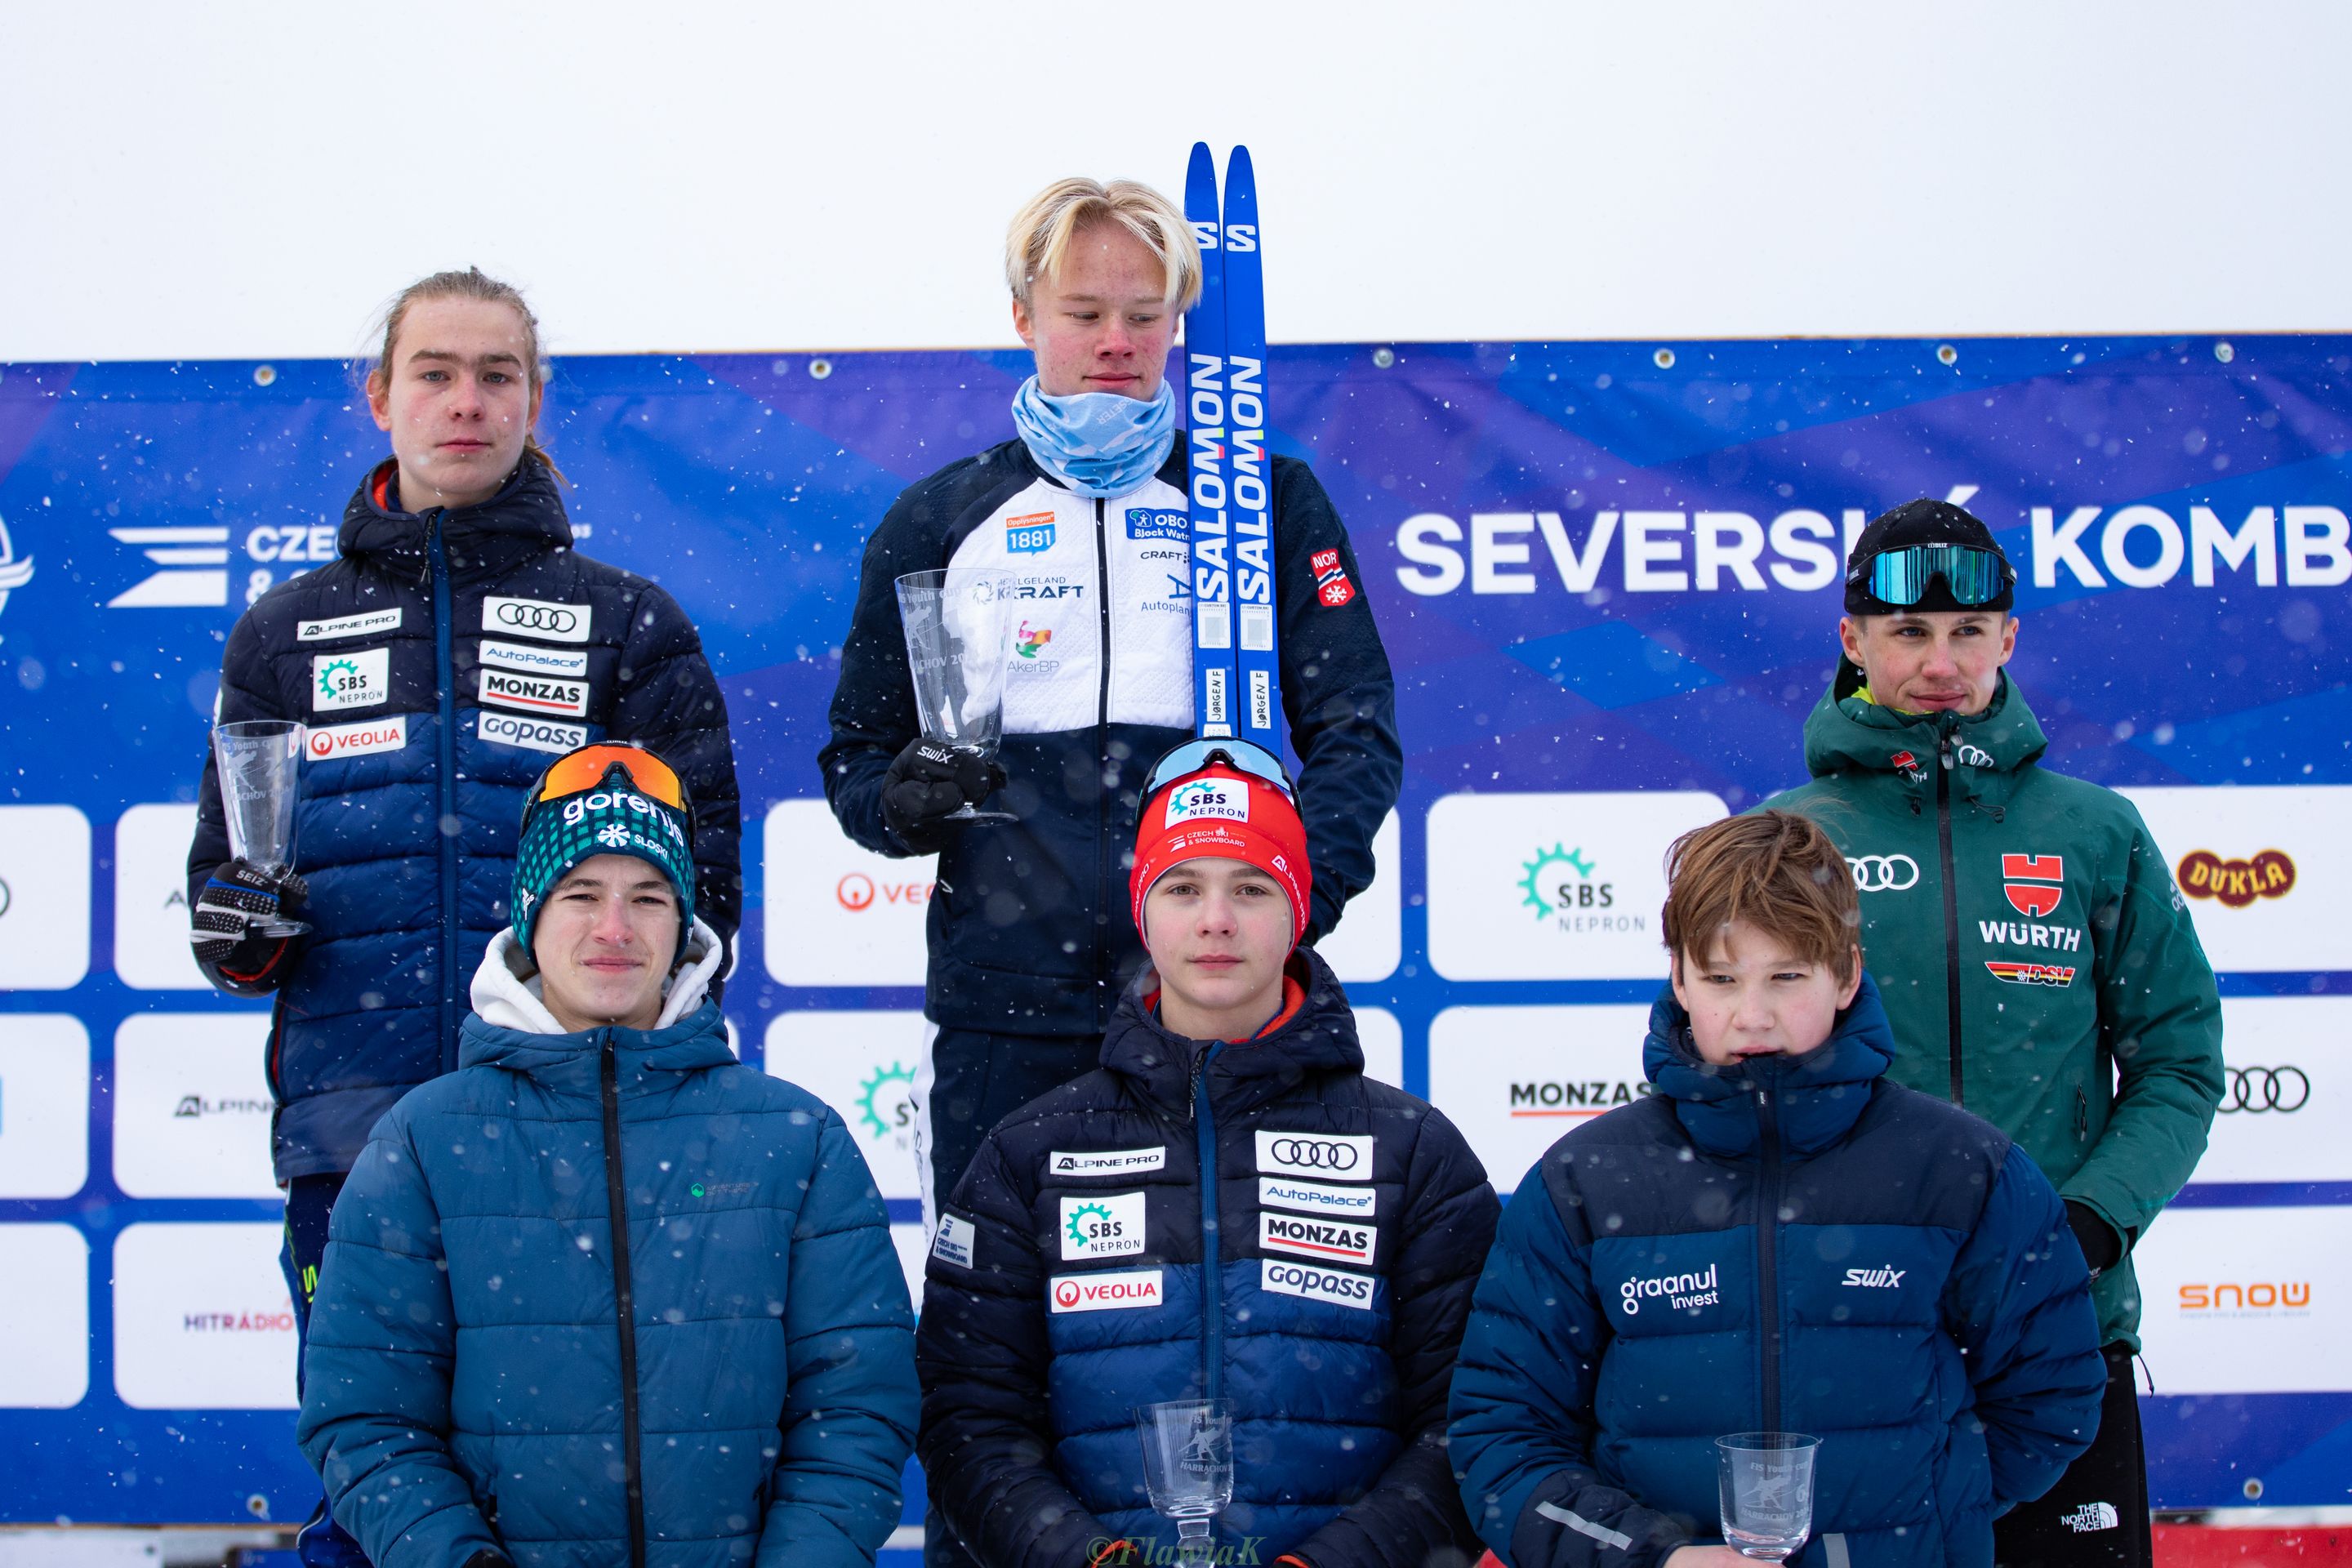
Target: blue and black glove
[
  {"x": 239, "y": 897},
  {"x": 926, "y": 782}
]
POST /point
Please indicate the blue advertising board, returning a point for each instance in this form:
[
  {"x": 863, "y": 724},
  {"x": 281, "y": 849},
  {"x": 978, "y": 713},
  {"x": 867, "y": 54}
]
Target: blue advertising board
[{"x": 1607, "y": 578}]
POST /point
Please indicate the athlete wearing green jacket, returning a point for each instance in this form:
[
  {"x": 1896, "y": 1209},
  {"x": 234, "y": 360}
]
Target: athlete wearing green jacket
[{"x": 2035, "y": 959}]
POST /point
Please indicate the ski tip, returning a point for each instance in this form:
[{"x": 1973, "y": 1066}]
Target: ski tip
[{"x": 1238, "y": 166}]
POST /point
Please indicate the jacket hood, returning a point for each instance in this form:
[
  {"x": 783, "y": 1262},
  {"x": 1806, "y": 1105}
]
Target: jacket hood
[
  {"x": 1847, "y": 732},
  {"x": 527, "y": 515},
  {"x": 511, "y": 1027},
  {"x": 1816, "y": 1097},
  {"x": 1318, "y": 1038}
]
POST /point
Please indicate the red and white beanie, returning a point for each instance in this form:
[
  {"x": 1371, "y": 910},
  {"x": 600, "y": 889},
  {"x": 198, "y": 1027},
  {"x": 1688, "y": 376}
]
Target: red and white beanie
[{"x": 1220, "y": 814}]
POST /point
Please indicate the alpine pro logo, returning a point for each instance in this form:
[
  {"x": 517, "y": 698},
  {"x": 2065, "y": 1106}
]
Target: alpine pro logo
[
  {"x": 357, "y": 625},
  {"x": 1685, "y": 1292},
  {"x": 1337, "y": 1286},
  {"x": 1105, "y": 1292},
  {"x": 2236, "y": 883},
  {"x": 365, "y": 740},
  {"x": 1315, "y": 1154},
  {"x": 1225, "y": 799},
  {"x": 2056, "y": 976},
  {"x": 538, "y": 618},
  {"x": 533, "y": 734},
  {"x": 2253, "y": 1090},
  {"x": 1107, "y": 1224},
  {"x": 1030, "y": 533},
  {"x": 1105, "y": 1162},
  {"x": 533, "y": 693},
  {"x": 2018, "y": 875},
  {"x": 1338, "y": 1240},
  {"x": 1883, "y": 873}
]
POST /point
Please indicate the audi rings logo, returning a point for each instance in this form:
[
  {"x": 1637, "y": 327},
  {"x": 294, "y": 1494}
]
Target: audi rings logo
[
  {"x": 1315, "y": 1153},
  {"x": 537, "y": 617},
  {"x": 1883, "y": 873},
  {"x": 2257, "y": 1089}
]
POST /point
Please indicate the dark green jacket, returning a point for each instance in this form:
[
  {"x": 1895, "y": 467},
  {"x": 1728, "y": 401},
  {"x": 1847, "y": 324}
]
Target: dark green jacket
[{"x": 2035, "y": 959}]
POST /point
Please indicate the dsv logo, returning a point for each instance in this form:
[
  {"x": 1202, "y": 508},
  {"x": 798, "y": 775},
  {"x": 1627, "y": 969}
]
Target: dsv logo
[
  {"x": 1315, "y": 1154},
  {"x": 537, "y": 617},
  {"x": 2257, "y": 1089},
  {"x": 1883, "y": 873}
]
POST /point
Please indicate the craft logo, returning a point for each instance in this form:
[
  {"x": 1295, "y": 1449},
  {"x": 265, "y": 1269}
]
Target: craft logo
[
  {"x": 1225, "y": 800},
  {"x": 2237, "y": 883},
  {"x": 2254, "y": 1091},
  {"x": 2058, "y": 976},
  {"x": 1142, "y": 524},
  {"x": 2261, "y": 1299},
  {"x": 1591, "y": 1097},
  {"x": 886, "y": 1102},
  {"x": 1109, "y": 1226},
  {"x": 1883, "y": 873},
  {"x": 1026, "y": 642},
  {"x": 2020, "y": 872},
  {"x": 16, "y": 571},
  {"x": 858, "y": 891},
  {"x": 1332, "y": 584},
  {"x": 1030, "y": 535},
  {"x": 197, "y": 1106},
  {"x": 1681, "y": 1292},
  {"x": 1875, "y": 1278},
  {"x": 1105, "y": 1292},
  {"x": 238, "y": 1322},
  {"x": 1563, "y": 885}
]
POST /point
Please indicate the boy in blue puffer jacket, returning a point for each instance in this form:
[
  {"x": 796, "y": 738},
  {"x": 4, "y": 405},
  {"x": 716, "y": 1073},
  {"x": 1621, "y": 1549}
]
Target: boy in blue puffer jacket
[
  {"x": 605, "y": 1296},
  {"x": 1779, "y": 1238}
]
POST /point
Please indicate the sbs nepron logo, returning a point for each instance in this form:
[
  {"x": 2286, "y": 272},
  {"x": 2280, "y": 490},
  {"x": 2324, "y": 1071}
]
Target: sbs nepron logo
[{"x": 1565, "y": 889}]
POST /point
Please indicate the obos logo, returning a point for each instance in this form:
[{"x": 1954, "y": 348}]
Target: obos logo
[
  {"x": 2237, "y": 883},
  {"x": 1142, "y": 524},
  {"x": 1227, "y": 799},
  {"x": 1564, "y": 887}
]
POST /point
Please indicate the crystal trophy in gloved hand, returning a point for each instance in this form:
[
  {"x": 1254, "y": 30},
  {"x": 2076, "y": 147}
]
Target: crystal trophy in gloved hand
[
  {"x": 1188, "y": 1466},
  {"x": 259, "y": 763},
  {"x": 959, "y": 623}
]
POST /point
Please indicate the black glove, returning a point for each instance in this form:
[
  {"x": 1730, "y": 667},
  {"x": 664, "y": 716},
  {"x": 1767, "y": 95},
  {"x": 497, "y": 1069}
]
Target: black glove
[
  {"x": 926, "y": 782},
  {"x": 2102, "y": 1249},
  {"x": 239, "y": 896}
]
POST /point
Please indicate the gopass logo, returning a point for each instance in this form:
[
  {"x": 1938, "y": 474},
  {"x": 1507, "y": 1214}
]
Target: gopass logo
[{"x": 1565, "y": 887}]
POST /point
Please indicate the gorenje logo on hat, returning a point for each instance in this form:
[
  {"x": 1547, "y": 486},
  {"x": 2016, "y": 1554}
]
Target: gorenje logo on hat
[{"x": 1203, "y": 799}]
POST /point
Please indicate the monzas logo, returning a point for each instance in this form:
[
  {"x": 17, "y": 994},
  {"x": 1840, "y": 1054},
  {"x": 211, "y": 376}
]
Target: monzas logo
[
  {"x": 1565, "y": 887},
  {"x": 1685, "y": 1292},
  {"x": 1567, "y": 1098},
  {"x": 2236, "y": 883},
  {"x": 1221, "y": 799},
  {"x": 886, "y": 1102},
  {"x": 2256, "y": 1298},
  {"x": 1032, "y": 534}
]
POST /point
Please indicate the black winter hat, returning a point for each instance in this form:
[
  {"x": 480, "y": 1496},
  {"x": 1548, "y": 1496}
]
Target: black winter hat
[{"x": 1923, "y": 521}]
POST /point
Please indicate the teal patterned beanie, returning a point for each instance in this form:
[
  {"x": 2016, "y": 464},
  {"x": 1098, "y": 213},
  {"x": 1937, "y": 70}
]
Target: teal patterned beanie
[{"x": 613, "y": 818}]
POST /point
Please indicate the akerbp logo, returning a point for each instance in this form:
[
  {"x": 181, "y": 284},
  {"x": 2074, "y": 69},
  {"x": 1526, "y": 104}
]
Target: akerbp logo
[
  {"x": 1223, "y": 799},
  {"x": 1026, "y": 642},
  {"x": 1564, "y": 887},
  {"x": 1032, "y": 534},
  {"x": 2236, "y": 883}
]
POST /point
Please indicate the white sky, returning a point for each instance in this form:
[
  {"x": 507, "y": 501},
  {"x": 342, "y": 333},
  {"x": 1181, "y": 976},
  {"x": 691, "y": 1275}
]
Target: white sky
[{"x": 252, "y": 180}]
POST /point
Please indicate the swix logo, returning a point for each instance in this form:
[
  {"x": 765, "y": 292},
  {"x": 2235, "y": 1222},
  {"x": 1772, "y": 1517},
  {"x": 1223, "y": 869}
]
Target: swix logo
[
  {"x": 1875, "y": 1278},
  {"x": 858, "y": 891},
  {"x": 2236, "y": 1300},
  {"x": 2057, "y": 976},
  {"x": 2032, "y": 901},
  {"x": 1029, "y": 534},
  {"x": 2237, "y": 883},
  {"x": 2020, "y": 933},
  {"x": 1681, "y": 1292},
  {"x": 1105, "y": 1292}
]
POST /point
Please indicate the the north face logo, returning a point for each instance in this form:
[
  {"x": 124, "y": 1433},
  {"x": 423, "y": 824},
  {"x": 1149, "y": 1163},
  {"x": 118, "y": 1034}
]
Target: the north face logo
[{"x": 2091, "y": 1516}]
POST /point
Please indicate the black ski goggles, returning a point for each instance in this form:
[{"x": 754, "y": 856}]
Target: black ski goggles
[
  {"x": 1241, "y": 756},
  {"x": 1901, "y": 577}
]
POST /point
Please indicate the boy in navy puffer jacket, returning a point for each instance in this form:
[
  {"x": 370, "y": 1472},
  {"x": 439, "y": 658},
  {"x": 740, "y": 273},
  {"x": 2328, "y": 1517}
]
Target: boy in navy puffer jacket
[
  {"x": 1316, "y": 1279},
  {"x": 1778, "y": 1238}
]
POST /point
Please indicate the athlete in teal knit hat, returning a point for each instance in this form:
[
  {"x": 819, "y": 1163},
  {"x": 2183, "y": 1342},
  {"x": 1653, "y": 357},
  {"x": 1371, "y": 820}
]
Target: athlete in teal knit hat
[{"x": 603, "y": 799}]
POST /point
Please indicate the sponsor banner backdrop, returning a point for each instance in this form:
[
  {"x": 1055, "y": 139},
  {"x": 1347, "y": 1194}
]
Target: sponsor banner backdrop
[
  {"x": 2289, "y": 1060},
  {"x": 45, "y": 1311},
  {"x": 1607, "y": 578},
  {"x": 2246, "y": 1301},
  {"x": 192, "y": 1106}
]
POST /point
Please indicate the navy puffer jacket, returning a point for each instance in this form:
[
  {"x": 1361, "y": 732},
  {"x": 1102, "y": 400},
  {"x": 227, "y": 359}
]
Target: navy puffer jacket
[
  {"x": 442, "y": 662},
  {"x": 1317, "y": 1280},
  {"x": 1793, "y": 1244},
  {"x": 483, "y": 1373}
]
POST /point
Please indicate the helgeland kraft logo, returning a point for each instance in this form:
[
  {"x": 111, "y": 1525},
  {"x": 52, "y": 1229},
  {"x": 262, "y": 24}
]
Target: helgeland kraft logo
[{"x": 1685, "y": 1292}]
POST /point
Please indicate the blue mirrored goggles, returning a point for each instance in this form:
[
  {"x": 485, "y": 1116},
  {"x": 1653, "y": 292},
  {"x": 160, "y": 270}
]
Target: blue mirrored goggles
[
  {"x": 1241, "y": 756},
  {"x": 1901, "y": 577}
]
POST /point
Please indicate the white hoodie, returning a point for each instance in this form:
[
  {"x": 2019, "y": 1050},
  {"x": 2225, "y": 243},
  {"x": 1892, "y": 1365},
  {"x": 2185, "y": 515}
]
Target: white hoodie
[{"x": 508, "y": 988}]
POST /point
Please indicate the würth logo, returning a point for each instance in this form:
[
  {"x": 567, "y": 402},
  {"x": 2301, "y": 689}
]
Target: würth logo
[{"x": 2019, "y": 871}]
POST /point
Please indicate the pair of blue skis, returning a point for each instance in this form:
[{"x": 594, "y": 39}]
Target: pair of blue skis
[{"x": 1236, "y": 678}]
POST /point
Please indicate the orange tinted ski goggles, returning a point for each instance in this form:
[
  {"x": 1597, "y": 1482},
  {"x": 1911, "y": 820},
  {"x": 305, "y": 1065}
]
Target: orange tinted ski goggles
[{"x": 590, "y": 765}]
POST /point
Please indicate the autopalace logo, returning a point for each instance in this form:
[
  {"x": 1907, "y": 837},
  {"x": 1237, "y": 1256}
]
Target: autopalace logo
[
  {"x": 2237, "y": 883},
  {"x": 1564, "y": 887}
]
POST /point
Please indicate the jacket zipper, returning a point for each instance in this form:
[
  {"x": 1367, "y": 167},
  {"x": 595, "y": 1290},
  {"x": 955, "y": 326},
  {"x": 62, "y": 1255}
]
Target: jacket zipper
[
  {"x": 445, "y": 682},
  {"x": 1951, "y": 904},
  {"x": 616, "y": 1198},
  {"x": 1213, "y": 1285},
  {"x": 1103, "y": 892},
  {"x": 1767, "y": 1250}
]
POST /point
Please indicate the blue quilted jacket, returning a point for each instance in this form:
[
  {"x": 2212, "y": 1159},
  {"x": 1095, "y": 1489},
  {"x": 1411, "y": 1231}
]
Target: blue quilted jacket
[
  {"x": 1795, "y": 1244},
  {"x": 442, "y": 661},
  {"x": 610, "y": 1298},
  {"x": 1317, "y": 1277}
]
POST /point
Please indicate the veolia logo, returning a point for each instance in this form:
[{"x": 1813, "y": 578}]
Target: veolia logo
[{"x": 855, "y": 891}]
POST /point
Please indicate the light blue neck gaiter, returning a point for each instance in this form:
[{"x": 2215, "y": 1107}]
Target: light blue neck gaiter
[{"x": 1099, "y": 443}]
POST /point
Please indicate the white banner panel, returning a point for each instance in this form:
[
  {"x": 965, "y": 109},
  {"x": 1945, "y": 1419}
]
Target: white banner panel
[
  {"x": 1515, "y": 1080},
  {"x": 44, "y": 897},
  {"x": 837, "y": 913},
  {"x": 2289, "y": 1063},
  {"x": 43, "y": 1106},
  {"x": 2266, "y": 870},
  {"x": 2248, "y": 1300},
  {"x": 202, "y": 1320},
  {"x": 44, "y": 1317},
  {"x": 192, "y": 1106},
  {"x": 1382, "y": 1037},
  {"x": 1554, "y": 887},
  {"x": 1370, "y": 939},
  {"x": 151, "y": 900},
  {"x": 861, "y": 1065}
]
